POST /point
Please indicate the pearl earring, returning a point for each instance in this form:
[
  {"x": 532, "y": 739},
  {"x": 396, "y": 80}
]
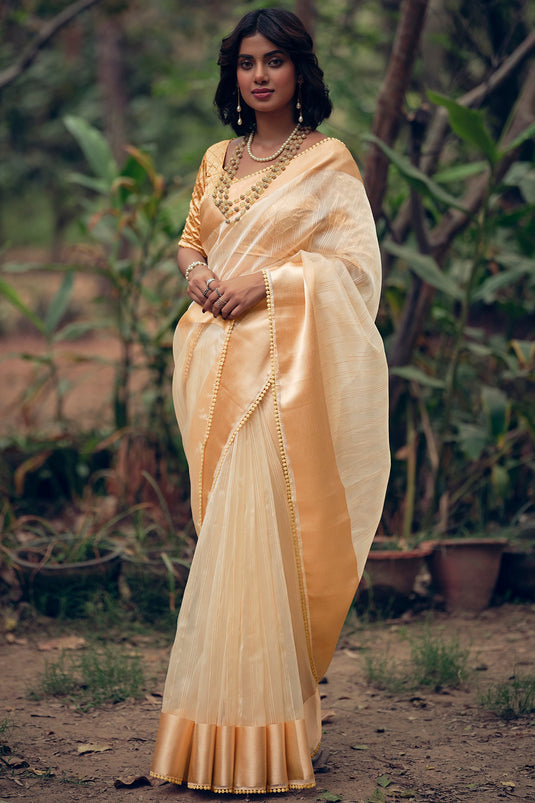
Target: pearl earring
[
  {"x": 298, "y": 105},
  {"x": 238, "y": 108}
]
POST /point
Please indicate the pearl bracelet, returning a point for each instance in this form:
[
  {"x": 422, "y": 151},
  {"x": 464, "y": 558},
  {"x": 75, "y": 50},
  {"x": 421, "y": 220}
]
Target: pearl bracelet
[{"x": 192, "y": 267}]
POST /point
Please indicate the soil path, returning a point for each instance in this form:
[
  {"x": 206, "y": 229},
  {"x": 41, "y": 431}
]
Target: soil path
[{"x": 431, "y": 746}]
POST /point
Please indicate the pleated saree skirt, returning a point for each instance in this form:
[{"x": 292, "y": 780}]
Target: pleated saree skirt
[{"x": 241, "y": 709}]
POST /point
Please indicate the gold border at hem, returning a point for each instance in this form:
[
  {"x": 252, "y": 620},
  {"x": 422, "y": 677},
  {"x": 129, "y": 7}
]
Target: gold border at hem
[
  {"x": 236, "y": 791},
  {"x": 314, "y": 752}
]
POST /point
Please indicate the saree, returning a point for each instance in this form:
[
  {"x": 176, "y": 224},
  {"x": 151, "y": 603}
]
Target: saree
[{"x": 284, "y": 421}]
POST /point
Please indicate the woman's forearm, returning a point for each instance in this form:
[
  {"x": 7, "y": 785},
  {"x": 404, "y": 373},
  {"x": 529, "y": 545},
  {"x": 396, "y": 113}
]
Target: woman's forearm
[{"x": 187, "y": 256}]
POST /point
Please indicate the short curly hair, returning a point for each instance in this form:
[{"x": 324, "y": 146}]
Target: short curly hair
[{"x": 288, "y": 33}]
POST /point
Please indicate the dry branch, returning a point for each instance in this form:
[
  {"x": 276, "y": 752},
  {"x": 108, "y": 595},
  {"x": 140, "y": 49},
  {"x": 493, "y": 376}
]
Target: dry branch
[
  {"x": 442, "y": 236},
  {"x": 439, "y": 128},
  {"x": 29, "y": 54},
  {"x": 390, "y": 103}
]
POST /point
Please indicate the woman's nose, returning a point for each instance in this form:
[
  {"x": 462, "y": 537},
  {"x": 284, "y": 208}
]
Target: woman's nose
[{"x": 260, "y": 73}]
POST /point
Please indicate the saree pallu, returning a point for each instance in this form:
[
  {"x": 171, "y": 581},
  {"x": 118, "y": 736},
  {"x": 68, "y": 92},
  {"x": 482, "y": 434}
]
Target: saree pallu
[{"x": 283, "y": 415}]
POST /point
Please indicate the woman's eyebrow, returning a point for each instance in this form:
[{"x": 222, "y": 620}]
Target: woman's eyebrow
[{"x": 265, "y": 56}]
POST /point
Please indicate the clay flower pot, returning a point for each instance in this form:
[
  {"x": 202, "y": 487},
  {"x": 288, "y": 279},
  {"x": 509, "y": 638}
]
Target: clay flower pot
[
  {"x": 63, "y": 588},
  {"x": 464, "y": 571},
  {"x": 389, "y": 577},
  {"x": 395, "y": 569}
]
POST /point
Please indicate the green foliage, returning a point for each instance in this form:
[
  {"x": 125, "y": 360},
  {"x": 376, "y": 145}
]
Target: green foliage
[
  {"x": 93, "y": 677},
  {"x": 467, "y": 406},
  {"x": 50, "y": 326},
  {"x": 38, "y": 474},
  {"x": 136, "y": 234},
  {"x": 416, "y": 178},
  {"x": 510, "y": 698},
  {"x": 475, "y": 436}
]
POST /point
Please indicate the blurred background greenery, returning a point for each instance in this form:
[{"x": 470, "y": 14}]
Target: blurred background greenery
[{"x": 103, "y": 123}]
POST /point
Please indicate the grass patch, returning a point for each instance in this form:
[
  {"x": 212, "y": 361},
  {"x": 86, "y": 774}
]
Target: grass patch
[
  {"x": 511, "y": 698},
  {"x": 437, "y": 663},
  {"x": 433, "y": 663},
  {"x": 92, "y": 678},
  {"x": 6, "y": 727}
]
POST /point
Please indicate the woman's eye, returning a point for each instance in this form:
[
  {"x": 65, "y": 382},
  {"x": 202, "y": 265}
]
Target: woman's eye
[
  {"x": 275, "y": 62},
  {"x": 246, "y": 65}
]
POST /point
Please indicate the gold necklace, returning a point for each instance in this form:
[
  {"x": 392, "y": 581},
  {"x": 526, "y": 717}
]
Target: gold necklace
[{"x": 233, "y": 211}]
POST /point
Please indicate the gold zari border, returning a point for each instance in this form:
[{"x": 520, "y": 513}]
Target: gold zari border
[
  {"x": 286, "y": 471},
  {"x": 233, "y": 790}
]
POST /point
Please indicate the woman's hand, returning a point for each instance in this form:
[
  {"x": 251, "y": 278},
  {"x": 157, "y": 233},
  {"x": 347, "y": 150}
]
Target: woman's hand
[
  {"x": 197, "y": 285},
  {"x": 231, "y": 298}
]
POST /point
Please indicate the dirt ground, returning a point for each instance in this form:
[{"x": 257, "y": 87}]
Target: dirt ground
[{"x": 431, "y": 746}]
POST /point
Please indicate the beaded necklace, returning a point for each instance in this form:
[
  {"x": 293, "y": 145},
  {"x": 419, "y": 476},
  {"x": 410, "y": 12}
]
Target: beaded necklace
[
  {"x": 277, "y": 152},
  {"x": 232, "y": 212}
]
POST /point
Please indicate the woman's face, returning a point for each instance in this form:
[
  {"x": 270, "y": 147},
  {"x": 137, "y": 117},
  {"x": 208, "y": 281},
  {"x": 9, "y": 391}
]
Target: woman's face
[{"x": 266, "y": 75}]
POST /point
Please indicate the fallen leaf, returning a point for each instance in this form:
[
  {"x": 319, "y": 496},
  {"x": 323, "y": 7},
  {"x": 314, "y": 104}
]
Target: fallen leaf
[
  {"x": 328, "y": 716},
  {"x": 39, "y": 772},
  {"x": 12, "y": 639},
  {"x": 377, "y": 797},
  {"x": 332, "y": 798},
  {"x": 93, "y": 748},
  {"x": 62, "y": 643},
  {"x": 509, "y": 784},
  {"x": 132, "y": 782},
  {"x": 359, "y": 746},
  {"x": 15, "y": 762},
  {"x": 383, "y": 781}
]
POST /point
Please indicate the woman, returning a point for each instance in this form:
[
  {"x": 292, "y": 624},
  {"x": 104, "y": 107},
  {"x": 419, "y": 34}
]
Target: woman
[{"x": 280, "y": 393}]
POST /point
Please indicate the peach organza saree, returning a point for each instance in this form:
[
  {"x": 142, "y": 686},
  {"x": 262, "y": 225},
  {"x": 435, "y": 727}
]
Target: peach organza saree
[{"x": 283, "y": 415}]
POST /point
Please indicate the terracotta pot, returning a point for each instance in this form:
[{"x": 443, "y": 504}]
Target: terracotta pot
[
  {"x": 394, "y": 570},
  {"x": 465, "y": 571},
  {"x": 63, "y": 588}
]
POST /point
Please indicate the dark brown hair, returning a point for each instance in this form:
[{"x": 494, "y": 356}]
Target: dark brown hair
[{"x": 288, "y": 33}]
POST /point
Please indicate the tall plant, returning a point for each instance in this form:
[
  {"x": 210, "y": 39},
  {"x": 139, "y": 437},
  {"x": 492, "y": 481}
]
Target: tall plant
[
  {"x": 468, "y": 375},
  {"x": 133, "y": 226}
]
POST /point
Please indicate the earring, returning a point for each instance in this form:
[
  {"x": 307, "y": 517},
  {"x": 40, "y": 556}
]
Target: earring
[
  {"x": 298, "y": 104},
  {"x": 238, "y": 108}
]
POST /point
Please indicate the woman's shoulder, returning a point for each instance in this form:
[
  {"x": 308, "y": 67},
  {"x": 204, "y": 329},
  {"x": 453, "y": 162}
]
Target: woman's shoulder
[
  {"x": 215, "y": 155},
  {"x": 336, "y": 155}
]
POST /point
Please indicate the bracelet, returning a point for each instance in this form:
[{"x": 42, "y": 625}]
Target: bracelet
[{"x": 192, "y": 267}]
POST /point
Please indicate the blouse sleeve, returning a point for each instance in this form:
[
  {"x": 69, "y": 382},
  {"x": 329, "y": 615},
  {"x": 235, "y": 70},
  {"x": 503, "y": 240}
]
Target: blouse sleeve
[{"x": 191, "y": 236}]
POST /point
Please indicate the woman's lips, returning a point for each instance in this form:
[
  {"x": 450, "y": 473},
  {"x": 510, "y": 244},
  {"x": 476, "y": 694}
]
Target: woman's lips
[{"x": 262, "y": 93}]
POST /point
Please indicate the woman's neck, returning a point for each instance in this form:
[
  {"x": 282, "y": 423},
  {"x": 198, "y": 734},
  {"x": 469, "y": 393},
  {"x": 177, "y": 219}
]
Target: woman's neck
[{"x": 273, "y": 129}]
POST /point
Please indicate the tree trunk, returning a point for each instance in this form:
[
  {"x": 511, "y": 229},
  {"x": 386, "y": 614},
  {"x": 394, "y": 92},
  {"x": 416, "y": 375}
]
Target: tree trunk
[
  {"x": 307, "y": 13},
  {"x": 389, "y": 106},
  {"x": 110, "y": 78}
]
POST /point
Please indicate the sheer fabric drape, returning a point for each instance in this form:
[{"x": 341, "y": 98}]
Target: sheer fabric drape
[{"x": 283, "y": 416}]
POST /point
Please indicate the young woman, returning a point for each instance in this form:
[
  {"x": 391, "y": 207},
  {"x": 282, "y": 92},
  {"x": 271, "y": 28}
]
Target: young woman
[{"x": 280, "y": 392}]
